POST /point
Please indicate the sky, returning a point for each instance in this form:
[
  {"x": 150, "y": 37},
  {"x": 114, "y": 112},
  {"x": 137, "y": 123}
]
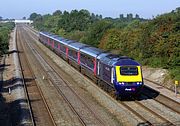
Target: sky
[{"x": 17, "y": 9}]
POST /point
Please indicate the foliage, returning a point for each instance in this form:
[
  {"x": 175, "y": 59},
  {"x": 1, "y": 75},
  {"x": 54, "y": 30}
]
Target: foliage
[
  {"x": 34, "y": 16},
  {"x": 5, "y": 29},
  {"x": 75, "y": 35},
  {"x": 153, "y": 42},
  {"x": 95, "y": 32},
  {"x": 57, "y": 13},
  {"x": 76, "y": 20},
  {"x": 69, "y": 22}
]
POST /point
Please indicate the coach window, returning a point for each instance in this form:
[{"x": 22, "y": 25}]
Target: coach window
[
  {"x": 90, "y": 62},
  {"x": 55, "y": 44},
  {"x": 86, "y": 60},
  {"x": 51, "y": 41},
  {"x": 70, "y": 53},
  {"x": 63, "y": 48},
  {"x": 46, "y": 39},
  {"x": 83, "y": 59},
  {"x": 74, "y": 54}
]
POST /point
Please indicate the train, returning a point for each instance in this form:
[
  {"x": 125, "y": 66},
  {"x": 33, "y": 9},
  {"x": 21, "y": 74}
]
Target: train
[{"x": 118, "y": 74}]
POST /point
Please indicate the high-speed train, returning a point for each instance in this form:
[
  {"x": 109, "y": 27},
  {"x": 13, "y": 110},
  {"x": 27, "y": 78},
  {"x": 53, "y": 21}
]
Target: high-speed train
[{"x": 112, "y": 72}]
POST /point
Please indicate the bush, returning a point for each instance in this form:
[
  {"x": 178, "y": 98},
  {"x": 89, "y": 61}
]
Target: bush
[
  {"x": 5, "y": 30},
  {"x": 174, "y": 72}
]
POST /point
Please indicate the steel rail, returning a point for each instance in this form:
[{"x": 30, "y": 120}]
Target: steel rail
[
  {"x": 39, "y": 90},
  {"x": 23, "y": 81},
  {"x": 55, "y": 82}
]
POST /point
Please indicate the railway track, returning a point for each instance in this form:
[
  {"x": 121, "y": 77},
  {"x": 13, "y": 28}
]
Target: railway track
[
  {"x": 82, "y": 110},
  {"x": 154, "y": 118},
  {"x": 162, "y": 99},
  {"x": 161, "y": 119},
  {"x": 23, "y": 80},
  {"x": 148, "y": 115},
  {"x": 36, "y": 100}
]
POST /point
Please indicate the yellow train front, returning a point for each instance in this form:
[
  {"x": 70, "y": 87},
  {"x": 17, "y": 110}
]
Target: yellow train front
[
  {"x": 123, "y": 73},
  {"x": 128, "y": 77}
]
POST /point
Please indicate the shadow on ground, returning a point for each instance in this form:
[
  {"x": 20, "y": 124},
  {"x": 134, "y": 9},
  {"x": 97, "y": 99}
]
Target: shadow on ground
[
  {"x": 13, "y": 51},
  {"x": 12, "y": 112}
]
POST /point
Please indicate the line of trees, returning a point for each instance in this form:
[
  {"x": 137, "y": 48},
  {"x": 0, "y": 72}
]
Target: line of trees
[
  {"x": 5, "y": 29},
  {"x": 153, "y": 42}
]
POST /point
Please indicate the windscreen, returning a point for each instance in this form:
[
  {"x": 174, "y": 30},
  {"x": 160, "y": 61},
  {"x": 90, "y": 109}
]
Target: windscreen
[{"x": 129, "y": 70}]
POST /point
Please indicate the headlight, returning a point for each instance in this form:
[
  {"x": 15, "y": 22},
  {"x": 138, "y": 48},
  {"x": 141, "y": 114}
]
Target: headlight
[
  {"x": 121, "y": 83},
  {"x": 139, "y": 83}
]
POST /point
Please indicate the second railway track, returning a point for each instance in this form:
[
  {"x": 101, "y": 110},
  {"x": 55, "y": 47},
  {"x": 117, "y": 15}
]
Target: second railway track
[
  {"x": 40, "y": 111},
  {"x": 80, "y": 108}
]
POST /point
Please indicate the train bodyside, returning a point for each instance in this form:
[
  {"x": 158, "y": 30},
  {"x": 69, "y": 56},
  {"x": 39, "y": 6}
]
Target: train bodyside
[
  {"x": 100, "y": 66},
  {"x": 89, "y": 61},
  {"x": 74, "y": 54},
  {"x": 55, "y": 43}
]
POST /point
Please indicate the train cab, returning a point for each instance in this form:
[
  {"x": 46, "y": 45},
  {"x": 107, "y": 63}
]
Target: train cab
[
  {"x": 127, "y": 77},
  {"x": 122, "y": 72}
]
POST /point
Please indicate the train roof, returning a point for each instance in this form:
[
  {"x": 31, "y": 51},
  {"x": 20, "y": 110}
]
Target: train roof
[
  {"x": 57, "y": 38},
  {"x": 77, "y": 45},
  {"x": 52, "y": 36},
  {"x": 66, "y": 41},
  {"x": 92, "y": 51},
  {"x": 104, "y": 57},
  {"x": 45, "y": 33},
  {"x": 112, "y": 59},
  {"x": 127, "y": 62},
  {"x": 108, "y": 58}
]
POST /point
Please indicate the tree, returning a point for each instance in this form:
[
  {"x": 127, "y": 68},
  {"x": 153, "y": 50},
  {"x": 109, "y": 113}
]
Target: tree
[
  {"x": 1, "y": 18},
  {"x": 66, "y": 13},
  {"x": 121, "y": 16},
  {"x": 4, "y": 36},
  {"x": 100, "y": 16},
  {"x": 95, "y": 32},
  {"x": 137, "y": 16},
  {"x": 33, "y": 16},
  {"x": 75, "y": 20},
  {"x": 57, "y": 13},
  {"x": 93, "y": 18},
  {"x": 38, "y": 22},
  {"x": 129, "y": 17},
  {"x": 178, "y": 9}
]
